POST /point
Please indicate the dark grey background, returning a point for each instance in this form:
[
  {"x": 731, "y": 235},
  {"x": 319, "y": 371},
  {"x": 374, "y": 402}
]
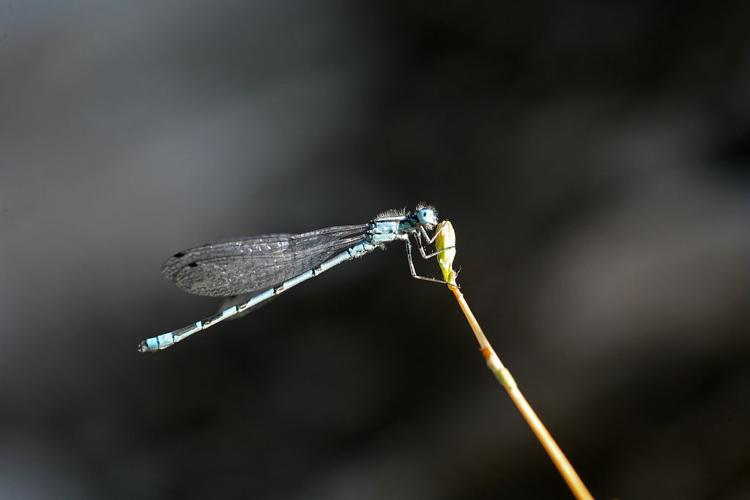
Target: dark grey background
[{"x": 592, "y": 157}]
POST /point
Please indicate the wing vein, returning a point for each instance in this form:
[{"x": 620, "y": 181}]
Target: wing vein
[{"x": 240, "y": 266}]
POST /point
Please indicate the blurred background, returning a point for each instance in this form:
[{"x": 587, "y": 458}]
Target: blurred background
[{"x": 593, "y": 158}]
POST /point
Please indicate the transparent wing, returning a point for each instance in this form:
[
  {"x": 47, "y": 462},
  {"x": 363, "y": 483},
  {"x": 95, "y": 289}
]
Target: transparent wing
[{"x": 246, "y": 265}]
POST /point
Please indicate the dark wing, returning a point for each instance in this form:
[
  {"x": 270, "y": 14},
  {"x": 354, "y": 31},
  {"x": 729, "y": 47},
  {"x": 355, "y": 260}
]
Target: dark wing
[{"x": 246, "y": 265}]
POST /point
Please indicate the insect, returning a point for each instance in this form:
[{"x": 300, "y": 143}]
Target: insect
[{"x": 268, "y": 265}]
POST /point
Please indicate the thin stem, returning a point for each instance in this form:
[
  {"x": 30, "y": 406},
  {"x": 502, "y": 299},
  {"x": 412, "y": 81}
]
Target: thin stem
[{"x": 504, "y": 376}]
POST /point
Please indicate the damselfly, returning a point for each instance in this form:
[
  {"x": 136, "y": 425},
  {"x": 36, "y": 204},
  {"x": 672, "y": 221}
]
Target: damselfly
[{"x": 273, "y": 263}]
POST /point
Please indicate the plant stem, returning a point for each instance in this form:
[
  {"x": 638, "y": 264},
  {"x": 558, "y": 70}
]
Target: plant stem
[{"x": 505, "y": 378}]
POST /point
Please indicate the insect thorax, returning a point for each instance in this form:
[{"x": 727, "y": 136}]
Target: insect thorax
[{"x": 387, "y": 229}]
